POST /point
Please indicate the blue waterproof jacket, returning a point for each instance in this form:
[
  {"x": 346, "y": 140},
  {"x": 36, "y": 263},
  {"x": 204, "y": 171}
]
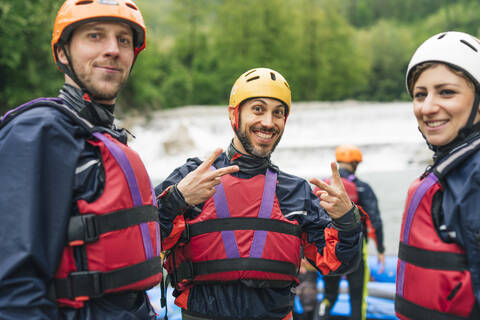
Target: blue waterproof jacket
[
  {"x": 297, "y": 202},
  {"x": 45, "y": 166},
  {"x": 459, "y": 220},
  {"x": 368, "y": 201}
]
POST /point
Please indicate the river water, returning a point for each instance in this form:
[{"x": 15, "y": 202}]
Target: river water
[{"x": 394, "y": 152}]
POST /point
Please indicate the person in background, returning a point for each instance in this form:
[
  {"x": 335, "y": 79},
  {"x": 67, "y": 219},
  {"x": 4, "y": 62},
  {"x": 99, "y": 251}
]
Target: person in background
[
  {"x": 360, "y": 192},
  {"x": 79, "y": 224},
  {"x": 234, "y": 224},
  {"x": 438, "y": 271},
  {"x": 307, "y": 291}
]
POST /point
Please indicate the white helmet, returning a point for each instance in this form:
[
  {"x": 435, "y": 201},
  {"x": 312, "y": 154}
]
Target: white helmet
[{"x": 458, "y": 49}]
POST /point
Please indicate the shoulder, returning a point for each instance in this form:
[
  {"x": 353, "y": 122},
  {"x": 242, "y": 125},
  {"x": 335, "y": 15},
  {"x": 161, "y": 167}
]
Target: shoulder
[{"x": 38, "y": 117}]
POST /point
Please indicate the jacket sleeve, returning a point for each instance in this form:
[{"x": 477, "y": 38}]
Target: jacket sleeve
[
  {"x": 332, "y": 246},
  {"x": 369, "y": 203},
  {"x": 37, "y": 166},
  {"x": 172, "y": 205}
]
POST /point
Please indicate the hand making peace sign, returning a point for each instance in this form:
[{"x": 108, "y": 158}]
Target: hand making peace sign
[
  {"x": 333, "y": 198},
  {"x": 199, "y": 185}
]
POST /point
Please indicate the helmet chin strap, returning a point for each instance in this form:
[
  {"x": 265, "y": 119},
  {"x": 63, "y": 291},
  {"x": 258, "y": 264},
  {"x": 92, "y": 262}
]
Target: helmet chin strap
[
  {"x": 463, "y": 133},
  {"x": 470, "y": 126}
]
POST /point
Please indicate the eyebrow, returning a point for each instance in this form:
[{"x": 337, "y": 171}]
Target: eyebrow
[{"x": 438, "y": 86}]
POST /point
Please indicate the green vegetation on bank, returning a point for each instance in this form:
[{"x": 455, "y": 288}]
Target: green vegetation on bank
[{"x": 327, "y": 49}]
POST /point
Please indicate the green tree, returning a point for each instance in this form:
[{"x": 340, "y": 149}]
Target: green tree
[{"x": 26, "y": 63}]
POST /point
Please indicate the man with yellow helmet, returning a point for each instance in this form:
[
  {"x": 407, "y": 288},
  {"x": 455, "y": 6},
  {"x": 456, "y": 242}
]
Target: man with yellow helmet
[
  {"x": 234, "y": 225},
  {"x": 79, "y": 217},
  {"x": 360, "y": 192}
]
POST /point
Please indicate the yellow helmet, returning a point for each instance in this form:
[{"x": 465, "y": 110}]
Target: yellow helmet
[
  {"x": 261, "y": 82},
  {"x": 348, "y": 153}
]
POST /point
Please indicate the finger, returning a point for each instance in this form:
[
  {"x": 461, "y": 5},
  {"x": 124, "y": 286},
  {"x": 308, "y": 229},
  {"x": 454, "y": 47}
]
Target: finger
[
  {"x": 211, "y": 158},
  {"x": 226, "y": 170},
  {"x": 323, "y": 185},
  {"x": 336, "y": 179}
]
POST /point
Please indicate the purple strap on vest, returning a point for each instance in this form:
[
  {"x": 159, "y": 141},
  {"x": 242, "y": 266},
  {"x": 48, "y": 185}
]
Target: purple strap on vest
[
  {"x": 265, "y": 210},
  {"x": 58, "y": 100},
  {"x": 132, "y": 184},
  {"x": 426, "y": 184},
  {"x": 351, "y": 177},
  {"x": 228, "y": 236}
]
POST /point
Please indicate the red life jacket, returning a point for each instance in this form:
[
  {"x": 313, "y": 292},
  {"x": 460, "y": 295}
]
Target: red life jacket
[
  {"x": 349, "y": 185},
  {"x": 433, "y": 280},
  {"x": 117, "y": 234},
  {"x": 241, "y": 234}
]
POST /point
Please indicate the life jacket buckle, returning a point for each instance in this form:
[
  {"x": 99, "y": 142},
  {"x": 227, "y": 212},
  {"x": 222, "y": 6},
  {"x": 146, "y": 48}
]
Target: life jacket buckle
[
  {"x": 85, "y": 285},
  {"x": 82, "y": 229}
]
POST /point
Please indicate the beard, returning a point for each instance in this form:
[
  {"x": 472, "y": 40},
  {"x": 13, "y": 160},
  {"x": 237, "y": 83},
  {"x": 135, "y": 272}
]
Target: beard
[
  {"x": 102, "y": 87},
  {"x": 257, "y": 151}
]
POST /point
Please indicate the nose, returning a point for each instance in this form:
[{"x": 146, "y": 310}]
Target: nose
[
  {"x": 112, "y": 47},
  {"x": 430, "y": 105},
  {"x": 267, "y": 120}
]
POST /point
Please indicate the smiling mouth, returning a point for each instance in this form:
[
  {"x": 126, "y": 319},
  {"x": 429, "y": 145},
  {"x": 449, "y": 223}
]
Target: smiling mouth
[{"x": 435, "y": 124}]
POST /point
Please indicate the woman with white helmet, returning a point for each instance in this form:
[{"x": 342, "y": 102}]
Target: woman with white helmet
[{"x": 438, "y": 273}]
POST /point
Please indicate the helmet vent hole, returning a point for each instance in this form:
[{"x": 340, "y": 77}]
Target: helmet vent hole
[
  {"x": 79, "y": 3},
  {"x": 272, "y": 75},
  {"x": 250, "y": 73},
  {"x": 468, "y": 44},
  {"x": 254, "y": 78},
  {"x": 131, "y": 6},
  {"x": 441, "y": 36},
  {"x": 286, "y": 85}
]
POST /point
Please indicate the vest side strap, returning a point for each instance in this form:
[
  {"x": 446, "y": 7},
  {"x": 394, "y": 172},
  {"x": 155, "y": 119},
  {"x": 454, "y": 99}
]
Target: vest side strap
[
  {"x": 87, "y": 228},
  {"x": 93, "y": 284},
  {"x": 414, "y": 311},
  {"x": 437, "y": 260}
]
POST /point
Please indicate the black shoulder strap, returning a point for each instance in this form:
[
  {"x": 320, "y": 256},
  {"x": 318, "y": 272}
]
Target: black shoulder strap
[{"x": 46, "y": 102}]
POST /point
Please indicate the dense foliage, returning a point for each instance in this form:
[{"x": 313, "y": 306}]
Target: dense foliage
[{"x": 327, "y": 49}]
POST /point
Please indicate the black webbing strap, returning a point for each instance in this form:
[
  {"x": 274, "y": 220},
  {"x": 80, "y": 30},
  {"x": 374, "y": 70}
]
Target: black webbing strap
[
  {"x": 216, "y": 225},
  {"x": 188, "y": 270},
  {"x": 93, "y": 284},
  {"x": 432, "y": 259},
  {"x": 87, "y": 228},
  {"x": 414, "y": 311}
]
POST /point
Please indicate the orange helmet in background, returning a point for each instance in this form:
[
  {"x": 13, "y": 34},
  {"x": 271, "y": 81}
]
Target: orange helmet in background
[
  {"x": 348, "y": 153},
  {"x": 75, "y": 12}
]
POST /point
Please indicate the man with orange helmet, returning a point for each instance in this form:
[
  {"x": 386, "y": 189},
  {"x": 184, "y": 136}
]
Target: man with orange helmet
[
  {"x": 360, "y": 192},
  {"x": 81, "y": 236},
  {"x": 234, "y": 225}
]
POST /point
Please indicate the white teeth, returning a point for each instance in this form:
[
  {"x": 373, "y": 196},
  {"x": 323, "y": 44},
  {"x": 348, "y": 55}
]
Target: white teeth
[
  {"x": 263, "y": 135},
  {"x": 434, "y": 124}
]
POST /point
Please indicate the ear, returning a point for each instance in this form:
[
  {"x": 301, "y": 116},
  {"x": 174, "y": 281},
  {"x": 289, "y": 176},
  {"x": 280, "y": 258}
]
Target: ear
[
  {"x": 61, "y": 57},
  {"x": 231, "y": 115}
]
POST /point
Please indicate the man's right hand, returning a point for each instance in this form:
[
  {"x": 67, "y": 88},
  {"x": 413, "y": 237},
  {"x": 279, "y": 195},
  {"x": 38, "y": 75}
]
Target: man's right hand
[{"x": 199, "y": 185}]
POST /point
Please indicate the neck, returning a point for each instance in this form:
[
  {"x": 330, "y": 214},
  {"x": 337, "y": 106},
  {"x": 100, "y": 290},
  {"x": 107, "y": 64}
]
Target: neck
[{"x": 97, "y": 113}]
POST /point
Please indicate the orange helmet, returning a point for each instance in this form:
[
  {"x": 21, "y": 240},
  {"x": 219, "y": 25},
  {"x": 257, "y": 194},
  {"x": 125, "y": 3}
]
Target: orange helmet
[
  {"x": 347, "y": 153},
  {"x": 75, "y": 12}
]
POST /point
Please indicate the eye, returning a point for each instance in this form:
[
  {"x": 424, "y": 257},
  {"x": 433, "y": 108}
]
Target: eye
[
  {"x": 447, "y": 92},
  {"x": 279, "y": 113},
  {"x": 257, "y": 108},
  {"x": 94, "y": 35},
  {"x": 419, "y": 95},
  {"x": 124, "y": 41}
]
